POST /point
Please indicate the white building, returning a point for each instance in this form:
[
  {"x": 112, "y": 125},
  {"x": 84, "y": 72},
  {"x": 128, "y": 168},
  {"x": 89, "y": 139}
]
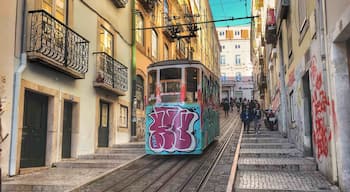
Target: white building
[{"x": 235, "y": 63}]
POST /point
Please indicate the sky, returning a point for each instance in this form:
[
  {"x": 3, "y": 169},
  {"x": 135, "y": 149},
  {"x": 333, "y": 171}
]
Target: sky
[{"x": 225, "y": 9}]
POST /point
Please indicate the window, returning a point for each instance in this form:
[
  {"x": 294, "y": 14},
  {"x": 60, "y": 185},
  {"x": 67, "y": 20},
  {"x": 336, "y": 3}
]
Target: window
[
  {"x": 139, "y": 92},
  {"x": 106, "y": 41},
  {"x": 123, "y": 116},
  {"x": 166, "y": 7},
  {"x": 56, "y": 8},
  {"x": 166, "y": 52},
  {"x": 154, "y": 44},
  {"x": 238, "y": 59},
  {"x": 238, "y": 76},
  {"x": 302, "y": 14},
  {"x": 170, "y": 80},
  {"x": 223, "y": 47},
  {"x": 139, "y": 24},
  {"x": 237, "y": 46},
  {"x": 222, "y": 59},
  {"x": 183, "y": 47}
]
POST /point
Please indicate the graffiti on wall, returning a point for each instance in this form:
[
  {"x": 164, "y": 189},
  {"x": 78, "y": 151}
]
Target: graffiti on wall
[
  {"x": 320, "y": 106},
  {"x": 172, "y": 129}
]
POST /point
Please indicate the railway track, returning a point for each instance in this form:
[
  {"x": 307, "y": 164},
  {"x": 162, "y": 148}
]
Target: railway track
[{"x": 168, "y": 173}]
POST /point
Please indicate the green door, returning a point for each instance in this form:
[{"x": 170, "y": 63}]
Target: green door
[
  {"x": 103, "y": 130},
  {"x": 67, "y": 130},
  {"x": 34, "y": 131}
]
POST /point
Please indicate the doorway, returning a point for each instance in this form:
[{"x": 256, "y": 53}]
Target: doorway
[
  {"x": 67, "y": 129},
  {"x": 308, "y": 140},
  {"x": 33, "y": 144},
  {"x": 103, "y": 130}
]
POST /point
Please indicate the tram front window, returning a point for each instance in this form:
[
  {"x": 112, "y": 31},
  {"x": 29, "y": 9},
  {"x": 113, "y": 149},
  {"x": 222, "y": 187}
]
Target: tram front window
[{"x": 170, "y": 80}]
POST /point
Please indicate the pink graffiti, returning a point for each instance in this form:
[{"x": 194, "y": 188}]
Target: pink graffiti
[
  {"x": 172, "y": 129},
  {"x": 291, "y": 78},
  {"x": 320, "y": 104}
]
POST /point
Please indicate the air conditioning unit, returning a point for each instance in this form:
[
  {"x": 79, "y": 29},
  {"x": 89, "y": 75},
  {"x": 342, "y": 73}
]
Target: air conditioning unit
[{"x": 120, "y": 3}]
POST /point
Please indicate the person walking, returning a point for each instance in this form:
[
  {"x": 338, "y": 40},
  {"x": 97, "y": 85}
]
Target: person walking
[
  {"x": 257, "y": 117},
  {"x": 226, "y": 106},
  {"x": 245, "y": 117}
]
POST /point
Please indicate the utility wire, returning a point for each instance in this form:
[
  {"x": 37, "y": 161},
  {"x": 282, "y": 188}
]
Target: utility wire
[{"x": 202, "y": 22}]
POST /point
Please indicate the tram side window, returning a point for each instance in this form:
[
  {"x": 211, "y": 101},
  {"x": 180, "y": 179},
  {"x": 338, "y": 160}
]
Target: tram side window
[
  {"x": 170, "y": 80},
  {"x": 152, "y": 80},
  {"x": 191, "y": 84}
]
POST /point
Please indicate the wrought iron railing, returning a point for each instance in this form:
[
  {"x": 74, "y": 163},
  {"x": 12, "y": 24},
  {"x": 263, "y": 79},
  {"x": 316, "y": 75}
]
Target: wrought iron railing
[
  {"x": 54, "y": 40},
  {"x": 111, "y": 72}
]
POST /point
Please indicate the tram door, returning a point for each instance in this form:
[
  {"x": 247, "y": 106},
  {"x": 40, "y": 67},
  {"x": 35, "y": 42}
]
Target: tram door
[
  {"x": 33, "y": 147},
  {"x": 103, "y": 130}
]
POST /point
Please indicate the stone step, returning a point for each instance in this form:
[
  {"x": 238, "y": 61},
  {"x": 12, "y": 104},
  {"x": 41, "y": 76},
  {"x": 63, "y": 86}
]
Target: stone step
[
  {"x": 262, "y": 135},
  {"x": 276, "y": 164},
  {"x": 267, "y": 145},
  {"x": 128, "y": 150},
  {"x": 29, "y": 188},
  {"x": 269, "y": 153},
  {"x": 264, "y": 140},
  {"x": 130, "y": 145},
  {"x": 50, "y": 180},
  {"x": 264, "y": 181},
  {"x": 106, "y": 156},
  {"x": 93, "y": 163}
]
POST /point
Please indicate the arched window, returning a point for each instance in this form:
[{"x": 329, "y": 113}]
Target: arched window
[{"x": 139, "y": 92}]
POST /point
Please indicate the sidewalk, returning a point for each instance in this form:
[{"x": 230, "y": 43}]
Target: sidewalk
[
  {"x": 267, "y": 162},
  {"x": 69, "y": 174}
]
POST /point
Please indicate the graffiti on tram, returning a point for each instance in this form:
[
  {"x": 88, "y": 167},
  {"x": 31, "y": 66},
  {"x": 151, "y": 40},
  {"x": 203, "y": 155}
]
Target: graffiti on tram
[{"x": 172, "y": 128}]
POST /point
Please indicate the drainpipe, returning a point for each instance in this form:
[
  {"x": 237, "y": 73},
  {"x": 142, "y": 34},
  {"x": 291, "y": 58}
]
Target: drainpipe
[
  {"x": 16, "y": 89},
  {"x": 133, "y": 72}
]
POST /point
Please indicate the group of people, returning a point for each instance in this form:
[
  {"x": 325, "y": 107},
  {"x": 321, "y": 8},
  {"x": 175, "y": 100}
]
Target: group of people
[{"x": 250, "y": 111}]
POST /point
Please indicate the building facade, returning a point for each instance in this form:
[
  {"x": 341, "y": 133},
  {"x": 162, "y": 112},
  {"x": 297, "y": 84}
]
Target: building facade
[
  {"x": 235, "y": 63},
  {"x": 66, "y": 82},
  {"x": 307, "y": 59}
]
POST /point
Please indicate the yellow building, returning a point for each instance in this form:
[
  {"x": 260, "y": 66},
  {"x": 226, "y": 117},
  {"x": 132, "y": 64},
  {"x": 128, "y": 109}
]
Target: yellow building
[{"x": 68, "y": 63}]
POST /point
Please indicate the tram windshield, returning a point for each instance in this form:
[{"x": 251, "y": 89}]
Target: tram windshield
[{"x": 170, "y": 80}]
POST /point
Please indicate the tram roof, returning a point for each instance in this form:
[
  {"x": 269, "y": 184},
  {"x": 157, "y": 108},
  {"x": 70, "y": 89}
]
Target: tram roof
[{"x": 174, "y": 62}]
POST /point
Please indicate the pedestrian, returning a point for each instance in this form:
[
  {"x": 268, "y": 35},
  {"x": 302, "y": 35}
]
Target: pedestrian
[
  {"x": 257, "y": 117},
  {"x": 245, "y": 117},
  {"x": 231, "y": 104},
  {"x": 226, "y": 106}
]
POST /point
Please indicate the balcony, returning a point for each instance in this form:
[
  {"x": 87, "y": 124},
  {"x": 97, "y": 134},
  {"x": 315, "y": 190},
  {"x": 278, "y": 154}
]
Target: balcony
[
  {"x": 57, "y": 46},
  {"x": 111, "y": 74},
  {"x": 171, "y": 31},
  {"x": 282, "y": 8},
  {"x": 120, "y": 3},
  {"x": 148, "y": 5},
  {"x": 228, "y": 83},
  {"x": 270, "y": 32}
]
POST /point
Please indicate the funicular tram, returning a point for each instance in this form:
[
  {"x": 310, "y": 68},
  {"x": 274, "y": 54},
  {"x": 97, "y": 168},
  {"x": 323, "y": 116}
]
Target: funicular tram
[{"x": 182, "y": 112}]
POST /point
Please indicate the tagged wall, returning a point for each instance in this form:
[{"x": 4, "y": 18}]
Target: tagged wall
[{"x": 322, "y": 108}]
